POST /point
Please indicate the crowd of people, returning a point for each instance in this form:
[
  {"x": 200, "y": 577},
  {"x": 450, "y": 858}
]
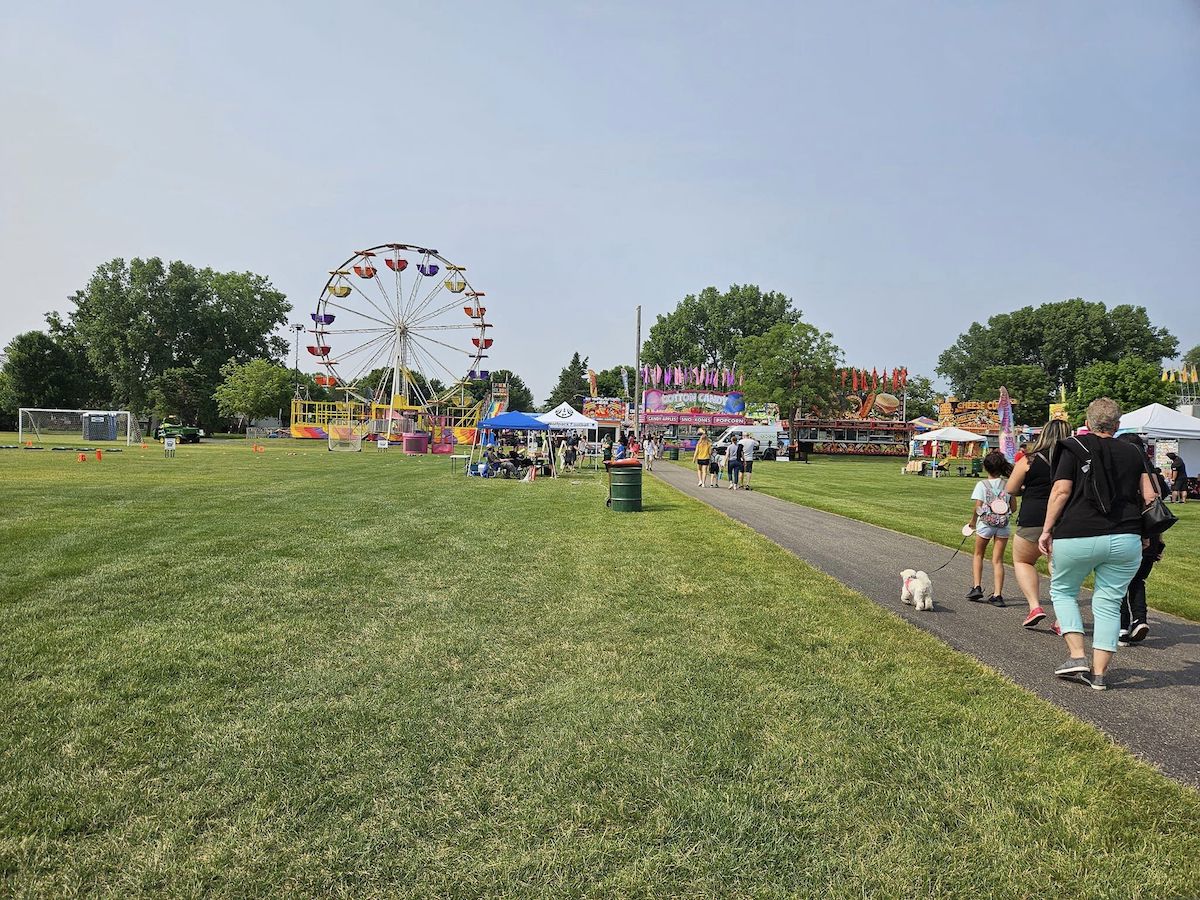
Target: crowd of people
[
  {"x": 1082, "y": 499},
  {"x": 734, "y": 462}
]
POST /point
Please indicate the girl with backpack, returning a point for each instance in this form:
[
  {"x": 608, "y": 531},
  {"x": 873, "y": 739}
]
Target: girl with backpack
[{"x": 989, "y": 519}]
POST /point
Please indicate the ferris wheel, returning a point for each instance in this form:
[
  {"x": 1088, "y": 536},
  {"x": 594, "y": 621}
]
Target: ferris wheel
[{"x": 399, "y": 325}]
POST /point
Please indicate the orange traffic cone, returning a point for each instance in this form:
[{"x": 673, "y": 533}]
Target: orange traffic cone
[{"x": 99, "y": 455}]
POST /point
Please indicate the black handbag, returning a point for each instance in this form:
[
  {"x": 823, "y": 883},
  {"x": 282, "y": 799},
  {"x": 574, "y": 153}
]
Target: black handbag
[{"x": 1156, "y": 518}]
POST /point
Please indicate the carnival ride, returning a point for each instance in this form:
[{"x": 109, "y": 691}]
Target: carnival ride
[{"x": 400, "y": 333}]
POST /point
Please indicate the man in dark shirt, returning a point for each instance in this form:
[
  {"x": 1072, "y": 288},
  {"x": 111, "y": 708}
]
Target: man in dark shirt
[{"x": 1178, "y": 478}]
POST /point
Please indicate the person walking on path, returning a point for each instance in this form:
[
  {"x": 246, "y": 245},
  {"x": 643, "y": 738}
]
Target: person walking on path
[
  {"x": 1134, "y": 622},
  {"x": 733, "y": 462},
  {"x": 701, "y": 456},
  {"x": 749, "y": 450},
  {"x": 651, "y": 451},
  {"x": 1094, "y": 525},
  {"x": 1031, "y": 480},
  {"x": 1178, "y": 478},
  {"x": 989, "y": 519}
]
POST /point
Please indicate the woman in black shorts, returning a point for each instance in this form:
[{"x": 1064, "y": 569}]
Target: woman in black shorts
[
  {"x": 701, "y": 456},
  {"x": 1031, "y": 480}
]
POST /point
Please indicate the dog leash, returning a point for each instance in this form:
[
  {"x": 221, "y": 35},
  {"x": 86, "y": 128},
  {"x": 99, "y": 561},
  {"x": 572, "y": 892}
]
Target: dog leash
[{"x": 951, "y": 559}]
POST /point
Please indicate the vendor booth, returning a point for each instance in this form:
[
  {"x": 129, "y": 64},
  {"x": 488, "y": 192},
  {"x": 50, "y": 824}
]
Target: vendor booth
[
  {"x": 565, "y": 417},
  {"x": 1169, "y": 431},
  {"x": 927, "y": 448},
  {"x": 523, "y": 423}
]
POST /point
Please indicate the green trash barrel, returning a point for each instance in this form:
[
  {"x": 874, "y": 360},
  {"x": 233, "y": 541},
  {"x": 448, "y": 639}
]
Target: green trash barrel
[
  {"x": 625, "y": 488},
  {"x": 673, "y": 454}
]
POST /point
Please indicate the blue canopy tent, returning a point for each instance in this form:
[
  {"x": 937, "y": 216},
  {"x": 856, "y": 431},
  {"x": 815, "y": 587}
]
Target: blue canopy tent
[
  {"x": 508, "y": 421},
  {"x": 514, "y": 421}
]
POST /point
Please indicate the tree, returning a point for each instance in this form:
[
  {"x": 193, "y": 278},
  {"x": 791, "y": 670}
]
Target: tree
[
  {"x": 921, "y": 398},
  {"x": 792, "y": 365},
  {"x": 1061, "y": 338},
  {"x": 40, "y": 371},
  {"x": 1029, "y": 388},
  {"x": 254, "y": 390},
  {"x": 706, "y": 329},
  {"x": 8, "y": 403},
  {"x": 572, "y": 383},
  {"x": 141, "y": 320},
  {"x": 1132, "y": 382},
  {"x": 1191, "y": 359},
  {"x": 185, "y": 392}
]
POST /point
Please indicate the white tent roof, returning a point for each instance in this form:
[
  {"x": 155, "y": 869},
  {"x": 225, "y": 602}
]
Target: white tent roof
[
  {"x": 565, "y": 417},
  {"x": 949, "y": 434},
  {"x": 1158, "y": 421}
]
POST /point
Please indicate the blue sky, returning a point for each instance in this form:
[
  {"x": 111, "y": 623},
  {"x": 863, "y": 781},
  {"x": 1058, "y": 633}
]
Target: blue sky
[{"x": 899, "y": 169}]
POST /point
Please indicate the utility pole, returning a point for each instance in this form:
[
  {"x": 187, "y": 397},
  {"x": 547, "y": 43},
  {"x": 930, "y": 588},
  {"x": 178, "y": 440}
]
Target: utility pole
[
  {"x": 637, "y": 374},
  {"x": 296, "y": 329}
]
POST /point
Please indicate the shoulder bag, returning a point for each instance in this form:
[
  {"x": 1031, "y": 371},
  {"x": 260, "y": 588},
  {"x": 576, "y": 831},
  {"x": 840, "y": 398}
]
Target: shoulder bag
[{"x": 1156, "y": 518}]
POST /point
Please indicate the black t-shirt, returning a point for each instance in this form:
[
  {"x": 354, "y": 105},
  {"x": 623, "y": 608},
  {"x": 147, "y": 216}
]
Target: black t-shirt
[
  {"x": 1035, "y": 495},
  {"x": 1180, "y": 468},
  {"x": 1124, "y": 464}
]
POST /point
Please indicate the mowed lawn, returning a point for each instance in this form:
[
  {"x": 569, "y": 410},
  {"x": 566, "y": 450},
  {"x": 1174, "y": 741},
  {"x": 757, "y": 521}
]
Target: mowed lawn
[
  {"x": 308, "y": 673},
  {"x": 873, "y": 490}
]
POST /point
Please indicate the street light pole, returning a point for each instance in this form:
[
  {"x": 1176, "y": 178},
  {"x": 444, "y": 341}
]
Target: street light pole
[{"x": 296, "y": 329}]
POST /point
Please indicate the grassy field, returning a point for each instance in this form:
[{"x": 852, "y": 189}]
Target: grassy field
[
  {"x": 873, "y": 490},
  {"x": 301, "y": 672}
]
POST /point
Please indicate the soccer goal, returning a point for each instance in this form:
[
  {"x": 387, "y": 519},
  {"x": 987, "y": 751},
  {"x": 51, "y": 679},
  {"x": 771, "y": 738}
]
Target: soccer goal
[
  {"x": 42, "y": 426},
  {"x": 345, "y": 434}
]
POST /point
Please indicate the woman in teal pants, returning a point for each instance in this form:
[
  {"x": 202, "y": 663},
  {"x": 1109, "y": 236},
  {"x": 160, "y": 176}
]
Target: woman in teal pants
[{"x": 1094, "y": 525}]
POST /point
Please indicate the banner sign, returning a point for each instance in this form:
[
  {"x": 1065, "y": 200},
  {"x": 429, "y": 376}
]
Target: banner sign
[
  {"x": 1008, "y": 437},
  {"x": 970, "y": 415},
  {"x": 694, "y": 407},
  {"x": 874, "y": 395},
  {"x": 605, "y": 410}
]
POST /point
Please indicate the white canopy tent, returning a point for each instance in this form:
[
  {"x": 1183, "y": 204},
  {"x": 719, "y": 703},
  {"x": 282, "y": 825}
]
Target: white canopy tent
[
  {"x": 1161, "y": 423},
  {"x": 1158, "y": 421},
  {"x": 565, "y": 417},
  {"x": 949, "y": 434}
]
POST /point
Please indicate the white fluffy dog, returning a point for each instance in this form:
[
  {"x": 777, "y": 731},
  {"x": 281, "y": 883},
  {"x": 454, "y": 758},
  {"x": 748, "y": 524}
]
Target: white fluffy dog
[{"x": 916, "y": 590}]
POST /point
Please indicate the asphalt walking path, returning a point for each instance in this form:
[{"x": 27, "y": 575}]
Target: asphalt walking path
[{"x": 1153, "y": 706}]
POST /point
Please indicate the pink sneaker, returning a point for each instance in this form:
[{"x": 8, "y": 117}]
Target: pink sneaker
[
  {"x": 1035, "y": 615},
  {"x": 1056, "y": 629}
]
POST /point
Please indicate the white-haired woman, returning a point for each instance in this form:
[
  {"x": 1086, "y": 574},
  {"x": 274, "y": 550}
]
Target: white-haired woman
[
  {"x": 1094, "y": 525},
  {"x": 1031, "y": 480}
]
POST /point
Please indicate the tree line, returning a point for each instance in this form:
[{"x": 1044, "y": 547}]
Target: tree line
[{"x": 173, "y": 339}]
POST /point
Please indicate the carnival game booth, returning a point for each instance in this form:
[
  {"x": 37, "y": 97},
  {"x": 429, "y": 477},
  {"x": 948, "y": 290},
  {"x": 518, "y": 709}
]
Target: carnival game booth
[
  {"x": 519, "y": 422},
  {"x": 1168, "y": 431},
  {"x": 926, "y": 449}
]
